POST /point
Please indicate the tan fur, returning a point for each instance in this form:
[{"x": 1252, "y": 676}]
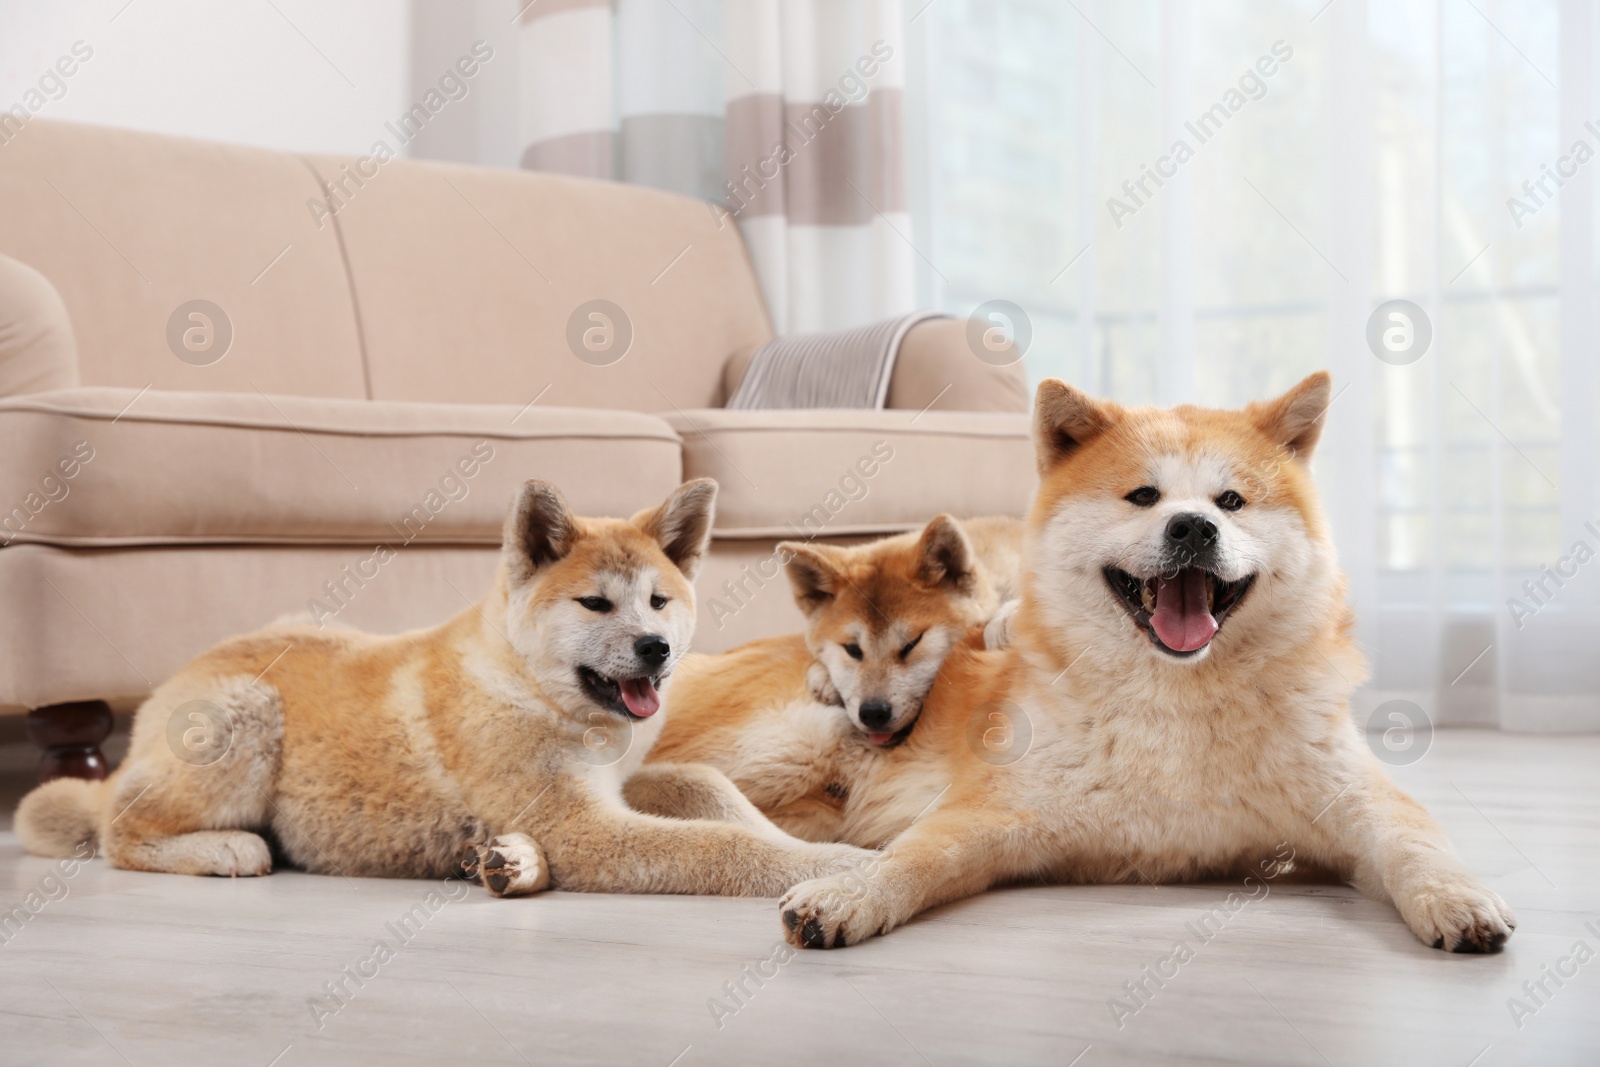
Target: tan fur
[
  {"x": 866, "y": 604},
  {"x": 997, "y": 544},
  {"x": 767, "y": 714},
  {"x": 57, "y": 817},
  {"x": 384, "y": 756},
  {"x": 750, "y": 713},
  {"x": 1139, "y": 765}
]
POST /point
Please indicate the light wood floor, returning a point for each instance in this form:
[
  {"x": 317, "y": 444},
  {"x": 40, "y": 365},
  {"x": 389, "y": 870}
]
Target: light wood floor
[{"x": 156, "y": 969}]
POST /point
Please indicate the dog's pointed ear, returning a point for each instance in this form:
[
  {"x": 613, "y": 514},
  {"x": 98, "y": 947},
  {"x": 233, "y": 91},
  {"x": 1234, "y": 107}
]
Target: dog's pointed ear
[
  {"x": 812, "y": 574},
  {"x": 1295, "y": 419},
  {"x": 1064, "y": 419},
  {"x": 539, "y": 530},
  {"x": 682, "y": 524},
  {"x": 945, "y": 556}
]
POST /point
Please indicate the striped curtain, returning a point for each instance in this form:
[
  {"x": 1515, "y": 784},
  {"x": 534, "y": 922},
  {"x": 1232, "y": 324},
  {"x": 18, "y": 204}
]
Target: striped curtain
[{"x": 787, "y": 115}]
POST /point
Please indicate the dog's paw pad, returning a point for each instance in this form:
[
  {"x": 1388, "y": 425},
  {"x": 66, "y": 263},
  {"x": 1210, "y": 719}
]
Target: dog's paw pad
[
  {"x": 1463, "y": 918},
  {"x": 828, "y": 913},
  {"x": 812, "y": 935},
  {"x": 1484, "y": 934},
  {"x": 511, "y": 865}
]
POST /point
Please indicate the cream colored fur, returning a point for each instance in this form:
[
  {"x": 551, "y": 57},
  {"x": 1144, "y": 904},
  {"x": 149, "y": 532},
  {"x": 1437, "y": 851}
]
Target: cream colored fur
[
  {"x": 385, "y": 756},
  {"x": 781, "y": 716},
  {"x": 1138, "y": 765}
]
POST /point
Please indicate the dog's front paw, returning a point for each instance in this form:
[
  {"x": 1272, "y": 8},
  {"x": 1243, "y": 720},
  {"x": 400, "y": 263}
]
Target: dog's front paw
[
  {"x": 511, "y": 865},
  {"x": 238, "y": 853},
  {"x": 997, "y": 634},
  {"x": 821, "y": 684},
  {"x": 830, "y": 912},
  {"x": 1458, "y": 915}
]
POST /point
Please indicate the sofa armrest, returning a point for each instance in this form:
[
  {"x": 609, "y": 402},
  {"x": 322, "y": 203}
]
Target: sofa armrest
[
  {"x": 934, "y": 358},
  {"x": 37, "y": 348}
]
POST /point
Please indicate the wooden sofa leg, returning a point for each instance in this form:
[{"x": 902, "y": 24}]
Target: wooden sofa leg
[{"x": 70, "y": 735}]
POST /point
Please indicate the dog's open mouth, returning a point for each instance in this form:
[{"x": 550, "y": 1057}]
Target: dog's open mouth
[
  {"x": 637, "y": 698},
  {"x": 1181, "y": 613},
  {"x": 891, "y": 738}
]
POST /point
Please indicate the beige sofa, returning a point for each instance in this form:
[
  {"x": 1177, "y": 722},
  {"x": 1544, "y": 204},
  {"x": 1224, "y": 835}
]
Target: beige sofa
[{"x": 379, "y": 363}]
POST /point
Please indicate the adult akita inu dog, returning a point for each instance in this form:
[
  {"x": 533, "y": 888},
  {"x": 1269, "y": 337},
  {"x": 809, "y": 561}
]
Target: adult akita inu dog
[
  {"x": 880, "y": 620},
  {"x": 1174, "y": 703},
  {"x": 383, "y": 756}
]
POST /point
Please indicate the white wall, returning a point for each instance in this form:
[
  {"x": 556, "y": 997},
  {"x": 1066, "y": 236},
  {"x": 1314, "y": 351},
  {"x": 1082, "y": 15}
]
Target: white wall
[{"x": 300, "y": 75}]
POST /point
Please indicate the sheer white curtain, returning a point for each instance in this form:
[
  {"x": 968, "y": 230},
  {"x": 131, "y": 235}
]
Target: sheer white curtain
[
  {"x": 1335, "y": 157},
  {"x": 1339, "y": 156}
]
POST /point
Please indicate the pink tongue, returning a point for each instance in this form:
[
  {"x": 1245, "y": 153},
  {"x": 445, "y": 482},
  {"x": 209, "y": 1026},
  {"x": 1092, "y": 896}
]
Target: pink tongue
[
  {"x": 640, "y": 696},
  {"x": 1181, "y": 618},
  {"x": 881, "y": 738}
]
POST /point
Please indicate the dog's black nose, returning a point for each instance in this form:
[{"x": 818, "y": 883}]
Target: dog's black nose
[
  {"x": 1192, "y": 531},
  {"x": 875, "y": 714},
  {"x": 652, "y": 649}
]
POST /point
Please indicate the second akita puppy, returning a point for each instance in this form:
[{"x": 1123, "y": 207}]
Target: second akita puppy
[
  {"x": 382, "y": 756},
  {"x": 880, "y": 619}
]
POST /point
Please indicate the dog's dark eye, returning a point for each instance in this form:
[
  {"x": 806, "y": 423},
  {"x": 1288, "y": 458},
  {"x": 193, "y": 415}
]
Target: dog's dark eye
[
  {"x": 1230, "y": 501},
  {"x": 904, "y": 652},
  {"x": 853, "y": 650},
  {"x": 658, "y": 601},
  {"x": 1144, "y": 496},
  {"x": 595, "y": 603}
]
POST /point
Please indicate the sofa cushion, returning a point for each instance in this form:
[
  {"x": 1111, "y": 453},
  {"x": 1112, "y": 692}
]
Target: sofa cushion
[
  {"x": 37, "y": 351},
  {"x": 103, "y": 467},
  {"x": 822, "y": 472}
]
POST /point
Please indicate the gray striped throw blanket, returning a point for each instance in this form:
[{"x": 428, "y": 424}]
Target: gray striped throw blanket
[{"x": 846, "y": 369}]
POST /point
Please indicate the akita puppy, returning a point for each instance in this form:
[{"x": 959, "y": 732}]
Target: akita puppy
[
  {"x": 1175, "y": 701},
  {"x": 880, "y": 620},
  {"x": 530, "y": 713},
  {"x": 881, "y": 617}
]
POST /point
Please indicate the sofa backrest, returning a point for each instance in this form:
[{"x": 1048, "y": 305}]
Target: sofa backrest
[
  {"x": 129, "y": 226},
  {"x": 475, "y": 283},
  {"x": 395, "y": 280}
]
